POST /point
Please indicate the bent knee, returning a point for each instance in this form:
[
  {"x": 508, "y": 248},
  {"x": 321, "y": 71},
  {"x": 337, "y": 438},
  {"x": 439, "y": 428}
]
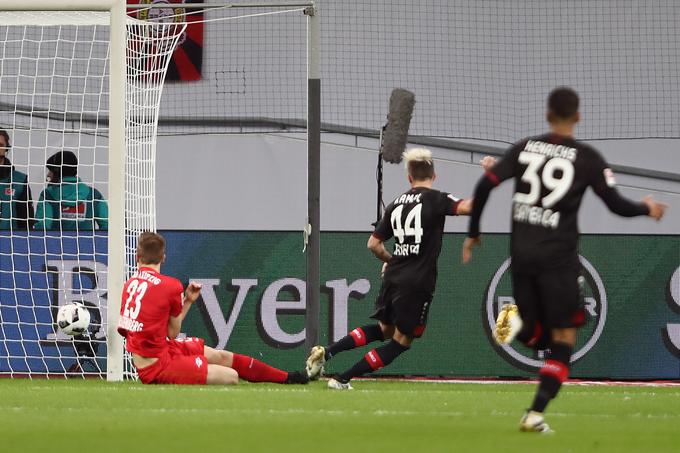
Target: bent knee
[
  {"x": 565, "y": 335},
  {"x": 218, "y": 357},
  {"x": 402, "y": 338},
  {"x": 226, "y": 358},
  {"x": 232, "y": 378}
]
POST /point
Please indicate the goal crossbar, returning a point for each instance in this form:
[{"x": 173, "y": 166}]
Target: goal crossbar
[
  {"x": 220, "y": 5},
  {"x": 70, "y": 5}
]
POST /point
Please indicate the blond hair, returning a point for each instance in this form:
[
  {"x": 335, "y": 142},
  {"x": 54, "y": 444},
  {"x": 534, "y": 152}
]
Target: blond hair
[{"x": 418, "y": 163}]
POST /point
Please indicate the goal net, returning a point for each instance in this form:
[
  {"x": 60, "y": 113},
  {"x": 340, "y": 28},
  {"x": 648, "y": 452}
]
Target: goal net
[
  {"x": 482, "y": 70},
  {"x": 57, "y": 214}
]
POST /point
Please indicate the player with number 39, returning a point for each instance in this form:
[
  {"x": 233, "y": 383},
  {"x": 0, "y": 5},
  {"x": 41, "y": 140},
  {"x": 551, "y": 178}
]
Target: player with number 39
[{"x": 551, "y": 173}]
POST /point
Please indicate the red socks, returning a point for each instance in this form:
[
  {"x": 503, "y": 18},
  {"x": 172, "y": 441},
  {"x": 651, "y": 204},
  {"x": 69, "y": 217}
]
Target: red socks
[{"x": 253, "y": 370}]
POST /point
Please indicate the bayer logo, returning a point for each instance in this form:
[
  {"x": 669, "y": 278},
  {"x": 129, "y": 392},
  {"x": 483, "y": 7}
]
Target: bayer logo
[
  {"x": 499, "y": 293},
  {"x": 164, "y": 16}
]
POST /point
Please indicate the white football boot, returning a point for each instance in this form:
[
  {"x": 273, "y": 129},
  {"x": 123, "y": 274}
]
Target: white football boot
[
  {"x": 315, "y": 363},
  {"x": 337, "y": 385},
  {"x": 508, "y": 324}
]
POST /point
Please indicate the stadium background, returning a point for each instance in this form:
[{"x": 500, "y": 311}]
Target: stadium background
[
  {"x": 231, "y": 163},
  {"x": 480, "y": 73}
]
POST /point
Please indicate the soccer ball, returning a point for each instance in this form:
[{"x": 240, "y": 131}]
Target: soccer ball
[{"x": 73, "y": 319}]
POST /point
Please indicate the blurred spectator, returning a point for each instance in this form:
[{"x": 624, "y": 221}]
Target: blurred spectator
[
  {"x": 16, "y": 203},
  {"x": 68, "y": 203}
]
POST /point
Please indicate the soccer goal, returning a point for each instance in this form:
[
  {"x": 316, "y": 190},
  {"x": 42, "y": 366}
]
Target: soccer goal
[
  {"x": 80, "y": 90},
  {"x": 80, "y": 87}
]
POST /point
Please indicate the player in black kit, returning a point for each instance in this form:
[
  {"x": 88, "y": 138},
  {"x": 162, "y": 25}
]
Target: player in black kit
[
  {"x": 416, "y": 220},
  {"x": 551, "y": 174}
]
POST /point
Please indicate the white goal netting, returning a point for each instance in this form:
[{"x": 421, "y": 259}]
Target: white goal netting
[{"x": 54, "y": 182}]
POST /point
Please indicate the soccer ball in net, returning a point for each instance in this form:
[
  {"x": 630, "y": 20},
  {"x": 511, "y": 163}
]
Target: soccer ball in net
[{"x": 73, "y": 319}]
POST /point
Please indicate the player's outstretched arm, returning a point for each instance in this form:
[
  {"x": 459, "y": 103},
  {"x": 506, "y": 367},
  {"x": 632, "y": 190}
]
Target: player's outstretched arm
[
  {"x": 468, "y": 245},
  {"x": 618, "y": 204},
  {"x": 465, "y": 206},
  {"x": 482, "y": 191},
  {"x": 190, "y": 296},
  {"x": 656, "y": 208},
  {"x": 487, "y": 162},
  {"x": 604, "y": 185},
  {"x": 496, "y": 171}
]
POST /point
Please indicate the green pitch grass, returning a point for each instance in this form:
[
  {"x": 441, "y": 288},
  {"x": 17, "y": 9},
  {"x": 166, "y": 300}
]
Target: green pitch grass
[{"x": 378, "y": 416}]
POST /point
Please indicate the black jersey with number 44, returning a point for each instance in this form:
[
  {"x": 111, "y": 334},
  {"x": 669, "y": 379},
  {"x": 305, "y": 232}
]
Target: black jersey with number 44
[
  {"x": 416, "y": 221},
  {"x": 551, "y": 174}
]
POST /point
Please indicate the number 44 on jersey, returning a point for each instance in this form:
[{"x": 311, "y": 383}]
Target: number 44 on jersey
[{"x": 412, "y": 228}]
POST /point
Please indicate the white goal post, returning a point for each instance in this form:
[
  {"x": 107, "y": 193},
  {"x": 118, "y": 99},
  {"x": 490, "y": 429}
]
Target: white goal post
[{"x": 116, "y": 80}]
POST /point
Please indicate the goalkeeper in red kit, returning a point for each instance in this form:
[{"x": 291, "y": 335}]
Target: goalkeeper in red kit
[{"x": 151, "y": 314}]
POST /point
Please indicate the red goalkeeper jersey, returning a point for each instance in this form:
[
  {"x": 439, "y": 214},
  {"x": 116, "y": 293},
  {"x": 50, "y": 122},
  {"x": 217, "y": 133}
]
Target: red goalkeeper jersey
[{"x": 149, "y": 299}]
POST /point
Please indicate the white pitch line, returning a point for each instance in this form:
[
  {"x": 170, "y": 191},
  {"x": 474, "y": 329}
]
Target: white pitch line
[
  {"x": 343, "y": 413},
  {"x": 527, "y": 381},
  {"x": 437, "y": 382}
]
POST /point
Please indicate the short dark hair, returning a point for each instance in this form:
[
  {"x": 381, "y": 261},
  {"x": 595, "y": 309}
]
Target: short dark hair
[
  {"x": 63, "y": 163},
  {"x": 4, "y": 133},
  {"x": 420, "y": 171},
  {"x": 150, "y": 248},
  {"x": 563, "y": 103}
]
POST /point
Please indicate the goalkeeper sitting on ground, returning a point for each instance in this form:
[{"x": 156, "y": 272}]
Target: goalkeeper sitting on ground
[{"x": 68, "y": 203}]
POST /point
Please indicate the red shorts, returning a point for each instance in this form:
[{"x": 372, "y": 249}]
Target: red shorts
[{"x": 183, "y": 363}]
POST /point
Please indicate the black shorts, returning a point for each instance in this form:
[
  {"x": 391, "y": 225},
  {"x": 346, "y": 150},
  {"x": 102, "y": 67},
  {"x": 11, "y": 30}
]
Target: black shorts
[
  {"x": 403, "y": 307},
  {"x": 550, "y": 296}
]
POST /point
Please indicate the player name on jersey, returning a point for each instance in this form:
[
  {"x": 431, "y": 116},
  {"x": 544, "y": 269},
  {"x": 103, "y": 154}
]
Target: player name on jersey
[
  {"x": 551, "y": 150},
  {"x": 408, "y": 198},
  {"x": 130, "y": 325},
  {"x": 149, "y": 277},
  {"x": 406, "y": 249},
  {"x": 535, "y": 215}
]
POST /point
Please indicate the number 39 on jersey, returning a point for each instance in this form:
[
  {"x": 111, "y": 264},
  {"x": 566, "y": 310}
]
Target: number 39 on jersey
[{"x": 555, "y": 175}]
